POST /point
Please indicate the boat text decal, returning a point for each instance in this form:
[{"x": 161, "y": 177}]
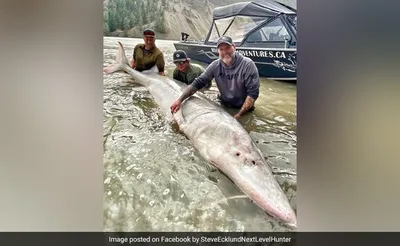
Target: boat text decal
[
  {"x": 290, "y": 67},
  {"x": 210, "y": 54},
  {"x": 260, "y": 53}
]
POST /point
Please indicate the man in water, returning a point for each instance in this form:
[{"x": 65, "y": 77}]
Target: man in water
[
  {"x": 185, "y": 71},
  {"x": 146, "y": 56},
  {"x": 236, "y": 77}
]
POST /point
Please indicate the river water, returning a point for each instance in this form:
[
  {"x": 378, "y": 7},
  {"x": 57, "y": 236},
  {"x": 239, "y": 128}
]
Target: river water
[{"x": 154, "y": 180}]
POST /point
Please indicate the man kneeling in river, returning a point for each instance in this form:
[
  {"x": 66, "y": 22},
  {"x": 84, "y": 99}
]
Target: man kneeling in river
[
  {"x": 147, "y": 56},
  {"x": 236, "y": 77},
  {"x": 185, "y": 71}
]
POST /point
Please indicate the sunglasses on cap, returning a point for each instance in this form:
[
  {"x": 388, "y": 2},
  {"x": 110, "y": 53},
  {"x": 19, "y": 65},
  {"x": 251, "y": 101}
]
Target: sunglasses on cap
[
  {"x": 180, "y": 63},
  {"x": 148, "y": 33}
]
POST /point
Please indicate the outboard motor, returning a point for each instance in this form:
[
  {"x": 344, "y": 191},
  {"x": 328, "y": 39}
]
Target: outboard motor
[{"x": 184, "y": 36}]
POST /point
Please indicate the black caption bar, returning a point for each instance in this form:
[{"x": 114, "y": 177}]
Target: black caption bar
[{"x": 201, "y": 238}]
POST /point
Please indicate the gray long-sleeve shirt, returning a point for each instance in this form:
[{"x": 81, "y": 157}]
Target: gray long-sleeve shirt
[{"x": 234, "y": 83}]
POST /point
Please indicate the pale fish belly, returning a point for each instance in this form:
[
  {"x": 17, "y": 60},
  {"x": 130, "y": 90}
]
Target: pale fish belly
[
  {"x": 208, "y": 127},
  {"x": 164, "y": 93}
]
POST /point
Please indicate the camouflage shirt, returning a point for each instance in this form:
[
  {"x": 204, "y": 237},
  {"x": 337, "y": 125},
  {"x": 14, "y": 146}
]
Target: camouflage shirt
[{"x": 193, "y": 72}]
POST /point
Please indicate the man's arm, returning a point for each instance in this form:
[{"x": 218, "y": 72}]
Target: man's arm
[
  {"x": 133, "y": 58},
  {"x": 252, "y": 85},
  {"x": 175, "y": 74},
  {"x": 208, "y": 84},
  {"x": 160, "y": 64},
  {"x": 197, "y": 84},
  {"x": 190, "y": 90},
  {"x": 187, "y": 93},
  {"x": 205, "y": 78},
  {"x": 246, "y": 106}
]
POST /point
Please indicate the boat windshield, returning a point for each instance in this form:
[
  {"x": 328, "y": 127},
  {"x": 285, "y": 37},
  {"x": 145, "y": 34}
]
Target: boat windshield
[
  {"x": 273, "y": 31},
  {"x": 293, "y": 22},
  {"x": 240, "y": 26}
]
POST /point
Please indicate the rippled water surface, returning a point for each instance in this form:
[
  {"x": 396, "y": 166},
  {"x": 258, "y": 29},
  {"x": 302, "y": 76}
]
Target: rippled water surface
[{"x": 154, "y": 179}]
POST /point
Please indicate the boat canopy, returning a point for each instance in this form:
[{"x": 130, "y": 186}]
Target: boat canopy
[
  {"x": 237, "y": 20},
  {"x": 256, "y": 8}
]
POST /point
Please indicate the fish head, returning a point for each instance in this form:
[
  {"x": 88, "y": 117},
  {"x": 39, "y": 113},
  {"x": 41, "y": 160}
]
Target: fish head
[{"x": 246, "y": 166}]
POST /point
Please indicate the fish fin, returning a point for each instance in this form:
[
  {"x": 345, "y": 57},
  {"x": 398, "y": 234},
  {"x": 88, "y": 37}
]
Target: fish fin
[
  {"x": 112, "y": 68},
  {"x": 178, "y": 117},
  {"x": 120, "y": 60},
  {"x": 238, "y": 197}
]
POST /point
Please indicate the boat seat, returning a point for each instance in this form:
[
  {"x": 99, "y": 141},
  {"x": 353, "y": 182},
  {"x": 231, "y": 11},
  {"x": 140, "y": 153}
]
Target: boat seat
[
  {"x": 274, "y": 37},
  {"x": 255, "y": 37}
]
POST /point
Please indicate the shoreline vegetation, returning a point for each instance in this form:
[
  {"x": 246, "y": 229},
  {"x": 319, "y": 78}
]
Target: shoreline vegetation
[
  {"x": 125, "y": 15},
  {"x": 128, "y": 18}
]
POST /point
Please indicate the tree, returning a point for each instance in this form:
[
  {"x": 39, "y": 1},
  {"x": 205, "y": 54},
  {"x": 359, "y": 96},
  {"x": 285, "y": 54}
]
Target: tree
[
  {"x": 159, "y": 24},
  {"x": 127, "y": 24},
  {"x": 133, "y": 20},
  {"x": 105, "y": 16},
  {"x": 143, "y": 12},
  {"x": 126, "y": 14},
  {"x": 140, "y": 19},
  {"x": 112, "y": 22},
  {"x": 106, "y": 29}
]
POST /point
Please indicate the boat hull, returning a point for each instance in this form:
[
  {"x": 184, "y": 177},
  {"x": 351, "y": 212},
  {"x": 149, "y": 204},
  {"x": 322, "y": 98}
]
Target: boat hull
[{"x": 272, "y": 63}]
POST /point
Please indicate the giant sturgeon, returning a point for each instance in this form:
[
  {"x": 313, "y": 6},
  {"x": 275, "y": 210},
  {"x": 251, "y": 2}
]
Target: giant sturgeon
[{"x": 219, "y": 138}]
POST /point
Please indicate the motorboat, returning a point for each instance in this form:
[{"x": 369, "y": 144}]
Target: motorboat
[{"x": 263, "y": 30}]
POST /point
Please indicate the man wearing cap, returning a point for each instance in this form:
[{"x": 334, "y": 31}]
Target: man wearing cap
[
  {"x": 236, "y": 77},
  {"x": 147, "y": 55},
  {"x": 185, "y": 71}
]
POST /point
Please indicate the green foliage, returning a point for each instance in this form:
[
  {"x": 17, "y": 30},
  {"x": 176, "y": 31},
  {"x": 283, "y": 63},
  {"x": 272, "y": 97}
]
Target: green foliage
[
  {"x": 159, "y": 25},
  {"x": 127, "y": 14},
  {"x": 133, "y": 19},
  {"x": 105, "y": 16},
  {"x": 144, "y": 14},
  {"x": 106, "y": 29},
  {"x": 127, "y": 24},
  {"x": 112, "y": 20}
]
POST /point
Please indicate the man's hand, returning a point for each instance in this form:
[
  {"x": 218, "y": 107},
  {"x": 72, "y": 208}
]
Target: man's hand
[
  {"x": 187, "y": 93},
  {"x": 162, "y": 73},
  {"x": 237, "y": 116},
  {"x": 246, "y": 106},
  {"x": 176, "y": 106}
]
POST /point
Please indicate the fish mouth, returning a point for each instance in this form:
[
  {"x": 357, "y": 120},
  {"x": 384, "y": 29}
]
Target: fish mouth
[
  {"x": 277, "y": 206},
  {"x": 291, "y": 221},
  {"x": 292, "y": 225},
  {"x": 287, "y": 219}
]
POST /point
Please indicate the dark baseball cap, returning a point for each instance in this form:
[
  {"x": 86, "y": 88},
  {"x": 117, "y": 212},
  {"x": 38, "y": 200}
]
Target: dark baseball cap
[
  {"x": 180, "y": 55},
  {"x": 149, "y": 32},
  {"x": 224, "y": 40}
]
